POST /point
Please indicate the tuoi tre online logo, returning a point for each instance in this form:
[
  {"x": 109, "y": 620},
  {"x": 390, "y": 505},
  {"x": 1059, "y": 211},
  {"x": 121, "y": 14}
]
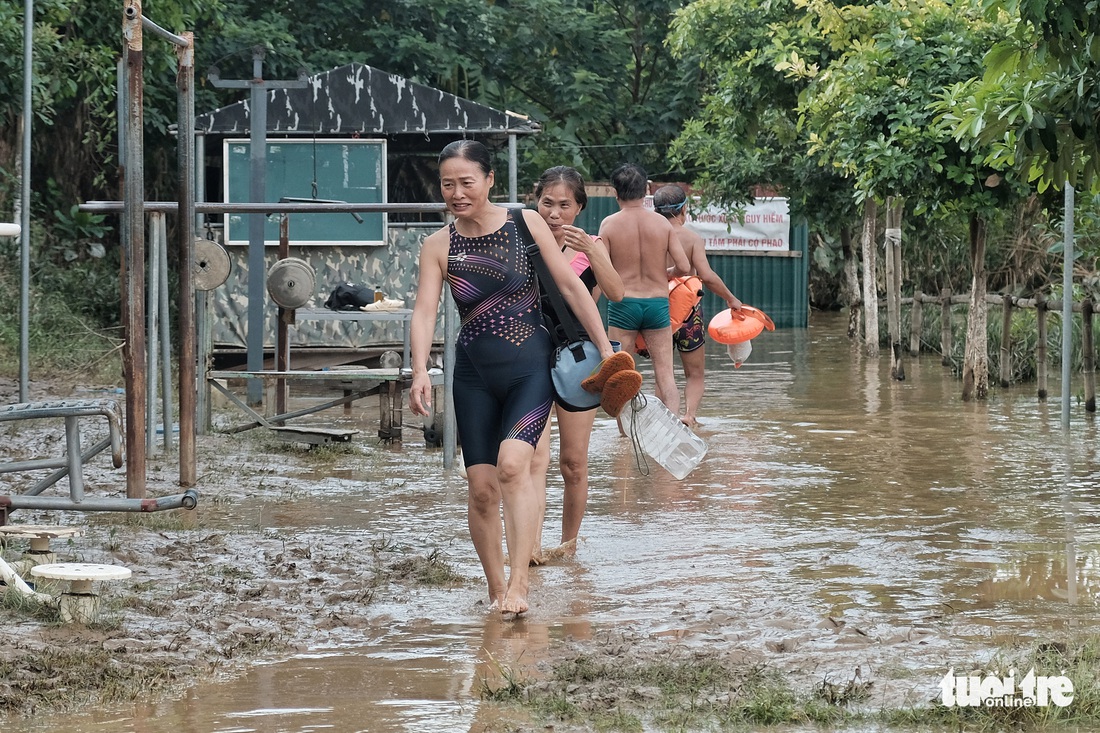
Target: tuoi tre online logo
[{"x": 1005, "y": 692}]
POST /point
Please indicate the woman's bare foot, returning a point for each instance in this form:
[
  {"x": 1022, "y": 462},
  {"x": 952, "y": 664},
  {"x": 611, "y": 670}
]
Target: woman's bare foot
[
  {"x": 565, "y": 549},
  {"x": 513, "y": 606},
  {"x": 515, "y": 600},
  {"x": 691, "y": 422}
]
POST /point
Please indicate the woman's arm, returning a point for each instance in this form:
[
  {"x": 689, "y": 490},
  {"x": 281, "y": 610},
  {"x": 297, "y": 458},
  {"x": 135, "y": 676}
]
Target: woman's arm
[
  {"x": 433, "y": 266},
  {"x": 710, "y": 278},
  {"x": 571, "y": 287},
  {"x": 607, "y": 277}
]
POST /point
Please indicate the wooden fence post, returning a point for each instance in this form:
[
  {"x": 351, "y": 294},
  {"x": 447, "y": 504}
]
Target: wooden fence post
[
  {"x": 916, "y": 322},
  {"x": 945, "y": 326},
  {"x": 870, "y": 277},
  {"x": 1006, "y": 341},
  {"x": 1041, "y": 346},
  {"x": 1088, "y": 357}
]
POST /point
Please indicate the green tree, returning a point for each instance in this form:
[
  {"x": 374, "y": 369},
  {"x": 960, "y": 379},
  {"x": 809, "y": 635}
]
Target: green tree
[{"x": 1037, "y": 106}]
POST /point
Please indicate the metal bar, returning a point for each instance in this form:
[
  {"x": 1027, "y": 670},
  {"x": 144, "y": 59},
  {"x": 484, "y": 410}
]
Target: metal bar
[
  {"x": 218, "y": 207},
  {"x": 35, "y": 464},
  {"x": 63, "y": 469},
  {"x": 158, "y": 31},
  {"x": 152, "y": 321},
  {"x": 1067, "y": 303},
  {"x": 248, "y": 410},
  {"x": 188, "y": 379},
  {"x": 345, "y": 400},
  {"x": 257, "y": 136},
  {"x": 450, "y": 338},
  {"x": 133, "y": 281},
  {"x": 165, "y": 336},
  {"x": 74, "y": 458},
  {"x": 187, "y": 500},
  {"x": 202, "y": 346},
  {"x": 512, "y": 176},
  {"x": 25, "y": 204}
]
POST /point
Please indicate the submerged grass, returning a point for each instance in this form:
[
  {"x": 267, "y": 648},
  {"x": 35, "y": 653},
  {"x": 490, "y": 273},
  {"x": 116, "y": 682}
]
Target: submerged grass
[
  {"x": 1079, "y": 660},
  {"x": 680, "y": 690},
  {"x": 81, "y": 677}
]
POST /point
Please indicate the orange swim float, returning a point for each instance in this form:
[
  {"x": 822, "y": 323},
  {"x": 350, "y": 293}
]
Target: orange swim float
[
  {"x": 684, "y": 293},
  {"x": 733, "y": 327}
]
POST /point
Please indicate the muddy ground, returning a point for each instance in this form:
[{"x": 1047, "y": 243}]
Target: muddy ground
[
  {"x": 206, "y": 600},
  {"x": 200, "y": 600}
]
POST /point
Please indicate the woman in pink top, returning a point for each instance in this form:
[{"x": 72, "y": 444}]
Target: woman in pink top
[{"x": 561, "y": 197}]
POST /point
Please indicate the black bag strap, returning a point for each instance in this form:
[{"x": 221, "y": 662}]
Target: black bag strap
[{"x": 565, "y": 316}]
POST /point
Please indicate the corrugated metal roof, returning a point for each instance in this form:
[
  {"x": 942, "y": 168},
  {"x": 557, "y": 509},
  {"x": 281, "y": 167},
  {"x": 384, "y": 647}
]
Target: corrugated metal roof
[{"x": 359, "y": 99}]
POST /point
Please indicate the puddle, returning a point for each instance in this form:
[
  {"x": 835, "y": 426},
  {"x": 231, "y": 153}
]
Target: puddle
[{"x": 840, "y": 519}]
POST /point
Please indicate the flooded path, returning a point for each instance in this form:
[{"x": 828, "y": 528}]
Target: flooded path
[{"x": 840, "y": 519}]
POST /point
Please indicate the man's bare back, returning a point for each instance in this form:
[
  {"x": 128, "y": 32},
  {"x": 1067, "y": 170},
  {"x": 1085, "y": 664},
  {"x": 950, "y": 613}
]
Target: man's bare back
[{"x": 640, "y": 242}]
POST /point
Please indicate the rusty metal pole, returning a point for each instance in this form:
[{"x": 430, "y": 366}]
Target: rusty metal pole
[
  {"x": 133, "y": 268},
  {"x": 185, "y": 140}
]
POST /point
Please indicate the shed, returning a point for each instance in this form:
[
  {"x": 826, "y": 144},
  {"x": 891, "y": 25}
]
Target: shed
[{"x": 401, "y": 125}]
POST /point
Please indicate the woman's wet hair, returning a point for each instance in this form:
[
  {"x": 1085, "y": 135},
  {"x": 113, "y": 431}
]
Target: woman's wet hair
[
  {"x": 470, "y": 150},
  {"x": 669, "y": 200},
  {"x": 630, "y": 182},
  {"x": 565, "y": 175}
]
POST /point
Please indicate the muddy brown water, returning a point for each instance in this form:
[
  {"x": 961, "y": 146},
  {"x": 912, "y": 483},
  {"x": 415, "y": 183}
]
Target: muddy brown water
[{"x": 840, "y": 520}]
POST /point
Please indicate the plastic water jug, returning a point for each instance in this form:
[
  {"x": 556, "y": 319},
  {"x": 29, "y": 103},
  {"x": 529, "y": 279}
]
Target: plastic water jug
[
  {"x": 739, "y": 352},
  {"x": 662, "y": 436}
]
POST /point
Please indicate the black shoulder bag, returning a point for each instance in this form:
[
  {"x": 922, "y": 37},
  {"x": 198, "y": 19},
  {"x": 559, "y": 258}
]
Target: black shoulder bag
[{"x": 575, "y": 357}]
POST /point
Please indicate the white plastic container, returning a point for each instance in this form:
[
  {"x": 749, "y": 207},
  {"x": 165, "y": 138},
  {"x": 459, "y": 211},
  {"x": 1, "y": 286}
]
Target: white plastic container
[{"x": 662, "y": 436}]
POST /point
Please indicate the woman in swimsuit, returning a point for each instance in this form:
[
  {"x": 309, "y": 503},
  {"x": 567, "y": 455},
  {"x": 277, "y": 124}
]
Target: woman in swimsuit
[
  {"x": 502, "y": 389},
  {"x": 561, "y": 197}
]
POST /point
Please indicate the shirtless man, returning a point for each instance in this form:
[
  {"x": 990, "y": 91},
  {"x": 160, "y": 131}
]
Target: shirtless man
[
  {"x": 640, "y": 243},
  {"x": 671, "y": 202}
]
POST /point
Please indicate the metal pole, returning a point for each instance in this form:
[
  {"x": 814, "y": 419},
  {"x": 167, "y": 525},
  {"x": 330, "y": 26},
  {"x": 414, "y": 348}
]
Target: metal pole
[
  {"x": 513, "y": 185},
  {"x": 450, "y": 338},
  {"x": 156, "y": 30},
  {"x": 1067, "y": 303},
  {"x": 152, "y": 352},
  {"x": 165, "y": 336},
  {"x": 274, "y": 207},
  {"x": 133, "y": 281},
  {"x": 258, "y": 192},
  {"x": 25, "y": 205},
  {"x": 202, "y": 331},
  {"x": 188, "y": 384}
]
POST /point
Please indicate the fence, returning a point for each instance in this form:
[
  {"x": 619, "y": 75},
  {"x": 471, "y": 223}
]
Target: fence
[{"x": 1009, "y": 304}]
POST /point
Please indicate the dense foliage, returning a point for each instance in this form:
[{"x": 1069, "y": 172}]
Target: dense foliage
[{"x": 961, "y": 107}]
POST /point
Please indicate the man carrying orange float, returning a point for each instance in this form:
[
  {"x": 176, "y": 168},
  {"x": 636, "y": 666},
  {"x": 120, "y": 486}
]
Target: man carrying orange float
[{"x": 685, "y": 298}]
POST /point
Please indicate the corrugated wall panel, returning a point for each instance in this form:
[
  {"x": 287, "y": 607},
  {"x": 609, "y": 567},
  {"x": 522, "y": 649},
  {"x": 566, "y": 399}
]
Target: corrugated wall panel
[
  {"x": 598, "y": 209},
  {"x": 777, "y": 285}
]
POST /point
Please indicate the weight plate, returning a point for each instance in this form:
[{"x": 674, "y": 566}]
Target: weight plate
[
  {"x": 211, "y": 267},
  {"x": 291, "y": 282}
]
